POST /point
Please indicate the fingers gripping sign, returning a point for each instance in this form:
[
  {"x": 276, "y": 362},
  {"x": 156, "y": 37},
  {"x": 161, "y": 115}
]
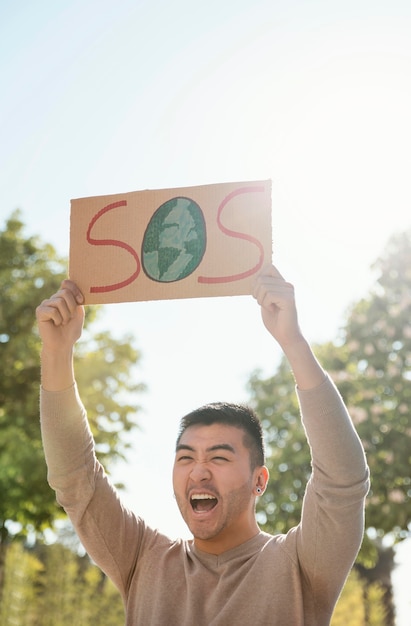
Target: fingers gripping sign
[
  {"x": 60, "y": 317},
  {"x": 278, "y": 309}
]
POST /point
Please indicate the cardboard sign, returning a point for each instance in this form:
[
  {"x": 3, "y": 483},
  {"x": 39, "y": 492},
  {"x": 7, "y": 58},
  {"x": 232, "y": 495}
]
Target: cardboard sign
[{"x": 171, "y": 243}]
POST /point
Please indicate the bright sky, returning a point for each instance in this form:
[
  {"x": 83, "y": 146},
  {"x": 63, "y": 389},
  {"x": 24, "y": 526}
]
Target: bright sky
[{"x": 103, "y": 97}]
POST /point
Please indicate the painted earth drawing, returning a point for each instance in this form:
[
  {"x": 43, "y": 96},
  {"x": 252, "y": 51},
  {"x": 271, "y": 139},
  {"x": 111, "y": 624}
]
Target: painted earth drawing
[{"x": 174, "y": 241}]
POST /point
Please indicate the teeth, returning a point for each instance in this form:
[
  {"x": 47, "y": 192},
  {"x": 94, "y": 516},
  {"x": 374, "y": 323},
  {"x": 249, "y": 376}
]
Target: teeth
[{"x": 202, "y": 496}]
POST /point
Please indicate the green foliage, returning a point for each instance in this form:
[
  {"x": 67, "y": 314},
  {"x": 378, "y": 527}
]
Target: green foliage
[
  {"x": 376, "y": 384},
  {"x": 106, "y": 380},
  {"x": 19, "y": 592},
  {"x": 52, "y": 586},
  {"x": 371, "y": 364},
  {"x": 31, "y": 271},
  {"x": 359, "y": 604},
  {"x": 28, "y": 273},
  {"x": 287, "y": 452}
]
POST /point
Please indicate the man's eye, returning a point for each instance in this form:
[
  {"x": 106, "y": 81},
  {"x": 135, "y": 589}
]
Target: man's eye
[
  {"x": 219, "y": 458},
  {"x": 184, "y": 458}
]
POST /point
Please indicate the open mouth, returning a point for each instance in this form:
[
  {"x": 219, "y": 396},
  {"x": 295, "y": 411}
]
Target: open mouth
[{"x": 203, "y": 502}]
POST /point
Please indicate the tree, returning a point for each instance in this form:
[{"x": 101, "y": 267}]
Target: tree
[
  {"x": 80, "y": 594},
  {"x": 351, "y": 610},
  {"x": 287, "y": 453},
  {"x": 29, "y": 272},
  {"x": 38, "y": 590},
  {"x": 22, "y": 570},
  {"x": 376, "y": 385},
  {"x": 371, "y": 364}
]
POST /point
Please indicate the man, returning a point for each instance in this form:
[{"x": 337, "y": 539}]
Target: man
[{"x": 230, "y": 572}]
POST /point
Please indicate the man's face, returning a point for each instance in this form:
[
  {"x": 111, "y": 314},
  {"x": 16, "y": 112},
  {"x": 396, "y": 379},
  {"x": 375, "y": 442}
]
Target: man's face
[{"x": 214, "y": 486}]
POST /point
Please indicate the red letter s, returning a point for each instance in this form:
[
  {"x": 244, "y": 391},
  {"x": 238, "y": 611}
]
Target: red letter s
[
  {"x": 112, "y": 242},
  {"x": 235, "y": 234}
]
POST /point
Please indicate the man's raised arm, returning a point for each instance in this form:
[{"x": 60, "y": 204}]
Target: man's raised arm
[
  {"x": 60, "y": 322},
  {"x": 278, "y": 309}
]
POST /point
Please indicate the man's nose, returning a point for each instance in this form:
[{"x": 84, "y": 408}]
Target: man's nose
[{"x": 200, "y": 471}]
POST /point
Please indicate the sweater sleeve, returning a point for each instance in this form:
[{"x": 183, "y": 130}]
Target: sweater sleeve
[
  {"x": 332, "y": 523},
  {"x": 83, "y": 488}
]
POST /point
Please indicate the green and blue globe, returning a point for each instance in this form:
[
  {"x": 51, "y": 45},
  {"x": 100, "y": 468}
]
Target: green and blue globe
[{"x": 174, "y": 241}]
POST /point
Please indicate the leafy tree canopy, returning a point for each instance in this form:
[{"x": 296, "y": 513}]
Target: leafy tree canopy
[
  {"x": 371, "y": 364},
  {"x": 31, "y": 271}
]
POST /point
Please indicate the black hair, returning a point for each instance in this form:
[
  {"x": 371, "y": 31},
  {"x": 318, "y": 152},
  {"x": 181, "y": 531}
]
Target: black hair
[{"x": 237, "y": 415}]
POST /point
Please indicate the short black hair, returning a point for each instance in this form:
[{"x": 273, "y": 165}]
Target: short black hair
[{"x": 238, "y": 415}]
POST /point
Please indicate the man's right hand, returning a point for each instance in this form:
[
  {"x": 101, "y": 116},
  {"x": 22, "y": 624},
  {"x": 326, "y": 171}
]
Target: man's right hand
[{"x": 60, "y": 318}]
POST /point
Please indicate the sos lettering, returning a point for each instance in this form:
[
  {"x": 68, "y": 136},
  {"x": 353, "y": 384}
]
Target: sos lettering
[{"x": 175, "y": 242}]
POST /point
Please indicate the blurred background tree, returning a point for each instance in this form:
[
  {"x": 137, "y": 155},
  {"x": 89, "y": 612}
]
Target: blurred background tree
[
  {"x": 352, "y": 610},
  {"x": 40, "y": 590},
  {"x": 370, "y": 362},
  {"x": 31, "y": 271}
]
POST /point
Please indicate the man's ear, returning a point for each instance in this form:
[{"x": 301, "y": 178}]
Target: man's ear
[{"x": 261, "y": 479}]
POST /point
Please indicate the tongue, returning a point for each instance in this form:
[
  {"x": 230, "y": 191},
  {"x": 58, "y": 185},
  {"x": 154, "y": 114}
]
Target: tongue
[{"x": 205, "y": 505}]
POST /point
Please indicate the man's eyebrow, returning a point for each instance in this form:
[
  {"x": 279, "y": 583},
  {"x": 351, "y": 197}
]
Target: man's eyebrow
[
  {"x": 221, "y": 446},
  {"x": 183, "y": 446},
  {"x": 217, "y": 446}
]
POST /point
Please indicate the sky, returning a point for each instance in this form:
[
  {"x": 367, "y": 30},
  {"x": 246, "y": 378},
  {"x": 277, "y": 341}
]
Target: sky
[{"x": 103, "y": 97}]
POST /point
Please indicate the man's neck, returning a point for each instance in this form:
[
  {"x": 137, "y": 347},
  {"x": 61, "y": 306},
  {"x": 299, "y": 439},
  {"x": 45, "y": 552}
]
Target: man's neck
[{"x": 226, "y": 540}]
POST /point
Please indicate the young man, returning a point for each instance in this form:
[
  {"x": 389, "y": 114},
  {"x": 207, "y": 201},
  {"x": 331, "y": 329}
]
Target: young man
[{"x": 230, "y": 572}]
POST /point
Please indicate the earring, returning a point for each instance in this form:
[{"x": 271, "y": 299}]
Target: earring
[{"x": 258, "y": 490}]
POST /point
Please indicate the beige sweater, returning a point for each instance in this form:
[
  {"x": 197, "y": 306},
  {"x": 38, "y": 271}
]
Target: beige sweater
[{"x": 283, "y": 580}]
